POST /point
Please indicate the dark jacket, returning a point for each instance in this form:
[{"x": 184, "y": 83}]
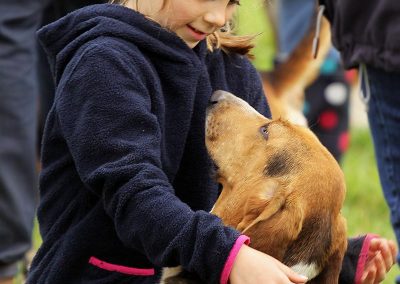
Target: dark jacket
[
  {"x": 366, "y": 32},
  {"x": 126, "y": 179}
]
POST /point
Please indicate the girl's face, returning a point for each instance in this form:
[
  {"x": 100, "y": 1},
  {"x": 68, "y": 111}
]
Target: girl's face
[{"x": 191, "y": 20}]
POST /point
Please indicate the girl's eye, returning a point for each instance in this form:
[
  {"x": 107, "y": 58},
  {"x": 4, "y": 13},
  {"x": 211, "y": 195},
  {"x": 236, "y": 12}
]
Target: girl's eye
[
  {"x": 234, "y": 2},
  {"x": 264, "y": 131}
]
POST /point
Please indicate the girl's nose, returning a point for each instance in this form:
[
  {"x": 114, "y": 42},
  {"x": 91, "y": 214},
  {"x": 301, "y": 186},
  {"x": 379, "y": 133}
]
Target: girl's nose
[{"x": 216, "y": 17}]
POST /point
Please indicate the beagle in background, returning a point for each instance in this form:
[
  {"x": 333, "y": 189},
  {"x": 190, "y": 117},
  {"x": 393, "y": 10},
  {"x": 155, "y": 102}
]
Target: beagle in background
[{"x": 284, "y": 87}]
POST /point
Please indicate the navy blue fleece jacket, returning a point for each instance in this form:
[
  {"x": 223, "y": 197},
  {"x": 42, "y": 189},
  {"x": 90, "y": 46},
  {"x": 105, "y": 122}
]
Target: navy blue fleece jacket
[
  {"x": 366, "y": 32},
  {"x": 126, "y": 180}
]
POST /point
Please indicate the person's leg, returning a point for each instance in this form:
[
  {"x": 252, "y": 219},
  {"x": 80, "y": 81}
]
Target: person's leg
[
  {"x": 18, "y": 110},
  {"x": 293, "y": 22},
  {"x": 384, "y": 121}
]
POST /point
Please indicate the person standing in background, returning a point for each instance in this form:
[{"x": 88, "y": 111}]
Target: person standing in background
[
  {"x": 25, "y": 83},
  {"x": 19, "y": 95},
  {"x": 368, "y": 37}
]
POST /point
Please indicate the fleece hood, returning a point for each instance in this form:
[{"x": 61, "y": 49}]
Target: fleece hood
[{"x": 64, "y": 37}]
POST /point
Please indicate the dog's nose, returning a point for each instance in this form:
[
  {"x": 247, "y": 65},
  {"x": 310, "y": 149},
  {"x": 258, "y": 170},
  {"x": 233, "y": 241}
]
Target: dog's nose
[{"x": 218, "y": 96}]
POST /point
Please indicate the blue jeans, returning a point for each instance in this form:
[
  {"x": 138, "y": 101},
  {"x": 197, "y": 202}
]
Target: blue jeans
[
  {"x": 18, "y": 111},
  {"x": 384, "y": 121},
  {"x": 294, "y": 20}
]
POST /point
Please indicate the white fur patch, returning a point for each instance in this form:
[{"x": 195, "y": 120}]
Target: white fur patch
[
  {"x": 309, "y": 270},
  {"x": 212, "y": 209}
]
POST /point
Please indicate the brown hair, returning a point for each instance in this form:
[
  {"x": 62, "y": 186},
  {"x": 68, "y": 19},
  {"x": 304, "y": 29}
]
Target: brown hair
[
  {"x": 224, "y": 40},
  {"x": 120, "y": 2}
]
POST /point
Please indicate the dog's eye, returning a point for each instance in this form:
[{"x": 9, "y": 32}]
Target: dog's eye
[{"x": 264, "y": 131}]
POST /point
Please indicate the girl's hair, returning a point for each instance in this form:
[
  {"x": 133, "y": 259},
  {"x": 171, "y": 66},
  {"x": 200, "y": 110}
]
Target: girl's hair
[{"x": 222, "y": 39}]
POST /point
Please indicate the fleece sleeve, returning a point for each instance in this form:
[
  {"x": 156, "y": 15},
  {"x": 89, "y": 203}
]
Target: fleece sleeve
[
  {"x": 355, "y": 259},
  {"x": 105, "y": 113}
]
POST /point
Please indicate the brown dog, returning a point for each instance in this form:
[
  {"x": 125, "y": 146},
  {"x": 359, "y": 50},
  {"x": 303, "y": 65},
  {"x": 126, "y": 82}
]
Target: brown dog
[{"x": 281, "y": 187}]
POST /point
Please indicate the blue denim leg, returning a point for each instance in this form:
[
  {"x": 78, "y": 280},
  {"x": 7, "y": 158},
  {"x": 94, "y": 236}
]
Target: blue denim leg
[
  {"x": 18, "y": 111},
  {"x": 294, "y": 20},
  {"x": 384, "y": 121}
]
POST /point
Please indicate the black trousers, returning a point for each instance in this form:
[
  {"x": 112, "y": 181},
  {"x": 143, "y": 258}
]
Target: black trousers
[{"x": 26, "y": 90}]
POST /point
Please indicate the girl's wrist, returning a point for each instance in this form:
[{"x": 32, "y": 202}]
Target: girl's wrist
[{"x": 225, "y": 275}]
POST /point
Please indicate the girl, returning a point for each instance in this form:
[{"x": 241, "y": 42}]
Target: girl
[{"x": 126, "y": 182}]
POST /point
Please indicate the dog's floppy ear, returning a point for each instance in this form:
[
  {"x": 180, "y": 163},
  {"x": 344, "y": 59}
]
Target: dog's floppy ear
[{"x": 259, "y": 207}]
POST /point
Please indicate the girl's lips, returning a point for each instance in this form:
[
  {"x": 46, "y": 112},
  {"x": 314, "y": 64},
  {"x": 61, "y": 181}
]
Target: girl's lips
[{"x": 197, "y": 35}]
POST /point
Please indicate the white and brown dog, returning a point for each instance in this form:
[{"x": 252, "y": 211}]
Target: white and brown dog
[{"x": 281, "y": 187}]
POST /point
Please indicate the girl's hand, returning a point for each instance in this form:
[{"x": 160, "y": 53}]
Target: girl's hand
[
  {"x": 252, "y": 266},
  {"x": 381, "y": 257}
]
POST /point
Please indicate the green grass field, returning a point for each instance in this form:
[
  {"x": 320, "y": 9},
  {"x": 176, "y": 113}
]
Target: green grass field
[{"x": 365, "y": 208}]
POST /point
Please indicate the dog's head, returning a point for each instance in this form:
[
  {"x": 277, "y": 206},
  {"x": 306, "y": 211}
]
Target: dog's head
[{"x": 259, "y": 159}]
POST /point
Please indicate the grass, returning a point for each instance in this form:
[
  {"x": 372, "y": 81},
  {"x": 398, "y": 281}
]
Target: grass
[
  {"x": 365, "y": 205},
  {"x": 252, "y": 20},
  {"x": 365, "y": 208}
]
